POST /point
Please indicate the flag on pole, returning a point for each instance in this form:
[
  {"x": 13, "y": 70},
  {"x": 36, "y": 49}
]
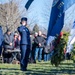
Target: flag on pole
[
  {"x": 28, "y": 4},
  {"x": 57, "y": 18}
]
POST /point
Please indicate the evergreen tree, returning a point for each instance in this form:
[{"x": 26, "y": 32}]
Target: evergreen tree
[
  {"x": 36, "y": 28},
  {"x": 58, "y": 54}
]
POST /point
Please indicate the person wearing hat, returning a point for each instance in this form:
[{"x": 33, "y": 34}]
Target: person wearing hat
[{"x": 24, "y": 43}]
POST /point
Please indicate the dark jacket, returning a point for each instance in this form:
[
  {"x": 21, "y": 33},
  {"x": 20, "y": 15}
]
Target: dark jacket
[
  {"x": 39, "y": 39},
  {"x": 16, "y": 43},
  {"x": 35, "y": 43},
  {"x": 7, "y": 40},
  {"x": 25, "y": 35}
]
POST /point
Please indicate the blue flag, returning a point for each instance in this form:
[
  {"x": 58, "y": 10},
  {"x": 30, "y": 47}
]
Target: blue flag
[
  {"x": 28, "y": 4},
  {"x": 57, "y": 18}
]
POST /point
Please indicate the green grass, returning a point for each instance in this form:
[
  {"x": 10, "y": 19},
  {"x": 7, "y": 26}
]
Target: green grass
[{"x": 41, "y": 68}]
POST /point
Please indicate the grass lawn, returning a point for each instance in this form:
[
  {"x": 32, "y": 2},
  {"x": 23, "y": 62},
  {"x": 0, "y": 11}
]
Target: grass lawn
[{"x": 41, "y": 68}]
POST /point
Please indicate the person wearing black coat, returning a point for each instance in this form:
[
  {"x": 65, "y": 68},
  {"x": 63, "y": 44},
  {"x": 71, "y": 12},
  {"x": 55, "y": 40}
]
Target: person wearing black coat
[
  {"x": 39, "y": 40},
  {"x": 34, "y": 45}
]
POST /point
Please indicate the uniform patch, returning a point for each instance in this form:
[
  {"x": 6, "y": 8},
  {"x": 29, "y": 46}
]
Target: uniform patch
[{"x": 23, "y": 30}]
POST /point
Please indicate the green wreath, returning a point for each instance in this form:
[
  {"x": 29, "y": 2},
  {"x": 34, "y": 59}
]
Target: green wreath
[{"x": 58, "y": 54}]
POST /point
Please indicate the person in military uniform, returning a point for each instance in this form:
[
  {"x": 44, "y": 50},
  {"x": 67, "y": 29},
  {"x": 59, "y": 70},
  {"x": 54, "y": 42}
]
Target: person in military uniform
[{"x": 25, "y": 43}]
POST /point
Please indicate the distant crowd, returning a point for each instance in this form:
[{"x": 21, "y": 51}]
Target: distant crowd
[
  {"x": 26, "y": 47},
  {"x": 10, "y": 41}
]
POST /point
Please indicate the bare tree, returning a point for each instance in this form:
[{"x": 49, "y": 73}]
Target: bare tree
[{"x": 10, "y": 14}]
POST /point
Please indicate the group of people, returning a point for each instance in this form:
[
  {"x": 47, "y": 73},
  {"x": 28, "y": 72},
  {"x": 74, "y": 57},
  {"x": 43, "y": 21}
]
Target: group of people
[
  {"x": 8, "y": 42},
  {"x": 31, "y": 45},
  {"x": 38, "y": 47}
]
